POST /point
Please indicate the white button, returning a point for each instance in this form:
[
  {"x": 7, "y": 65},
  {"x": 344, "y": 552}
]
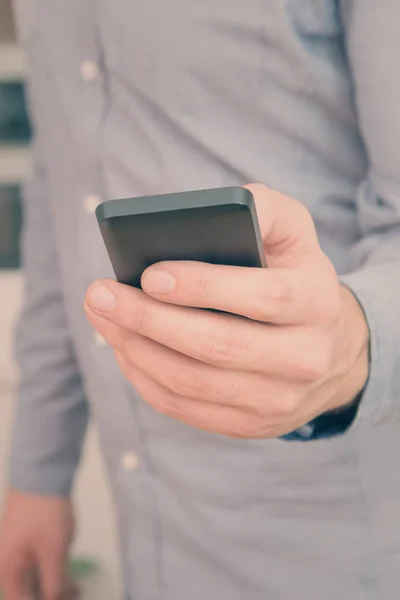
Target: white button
[
  {"x": 129, "y": 461},
  {"x": 89, "y": 70},
  {"x": 306, "y": 431},
  {"x": 99, "y": 340},
  {"x": 90, "y": 203}
]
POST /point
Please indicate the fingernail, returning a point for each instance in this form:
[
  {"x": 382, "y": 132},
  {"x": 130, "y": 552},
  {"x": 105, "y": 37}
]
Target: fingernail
[
  {"x": 102, "y": 298},
  {"x": 158, "y": 282}
]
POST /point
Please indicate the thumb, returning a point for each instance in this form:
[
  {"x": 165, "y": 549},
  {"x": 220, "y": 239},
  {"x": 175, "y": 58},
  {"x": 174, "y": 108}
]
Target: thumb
[{"x": 287, "y": 228}]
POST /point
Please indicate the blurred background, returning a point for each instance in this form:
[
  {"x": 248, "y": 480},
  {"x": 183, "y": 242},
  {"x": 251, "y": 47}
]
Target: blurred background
[{"x": 96, "y": 534}]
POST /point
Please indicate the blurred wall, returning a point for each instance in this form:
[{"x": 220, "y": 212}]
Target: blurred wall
[{"x": 6, "y": 24}]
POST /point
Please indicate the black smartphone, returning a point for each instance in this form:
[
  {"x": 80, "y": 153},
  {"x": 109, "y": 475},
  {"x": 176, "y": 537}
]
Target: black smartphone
[{"x": 217, "y": 226}]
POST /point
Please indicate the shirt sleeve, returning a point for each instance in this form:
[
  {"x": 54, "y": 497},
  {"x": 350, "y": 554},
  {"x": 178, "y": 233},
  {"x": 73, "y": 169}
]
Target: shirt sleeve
[
  {"x": 51, "y": 411},
  {"x": 373, "y": 49}
]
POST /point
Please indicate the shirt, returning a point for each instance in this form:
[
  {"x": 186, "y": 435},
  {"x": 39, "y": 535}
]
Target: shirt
[{"x": 130, "y": 98}]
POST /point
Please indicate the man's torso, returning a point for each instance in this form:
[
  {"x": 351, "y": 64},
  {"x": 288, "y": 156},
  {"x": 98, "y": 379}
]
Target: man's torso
[{"x": 133, "y": 98}]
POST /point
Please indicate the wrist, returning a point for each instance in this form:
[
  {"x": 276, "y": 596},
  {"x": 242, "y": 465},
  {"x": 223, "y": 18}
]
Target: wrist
[{"x": 357, "y": 358}]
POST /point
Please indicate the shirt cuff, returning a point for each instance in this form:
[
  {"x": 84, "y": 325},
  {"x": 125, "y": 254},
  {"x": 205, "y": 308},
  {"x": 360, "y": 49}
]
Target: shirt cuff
[
  {"x": 378, "y": 293},
  {"x": 329, "y": 424},
  {"x": 377, "y": 289}
]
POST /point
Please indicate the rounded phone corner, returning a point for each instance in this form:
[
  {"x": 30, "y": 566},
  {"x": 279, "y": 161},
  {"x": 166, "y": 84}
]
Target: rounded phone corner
[
  {"x": 244, "y": 197},
  {"x": 101, "y": 212}
]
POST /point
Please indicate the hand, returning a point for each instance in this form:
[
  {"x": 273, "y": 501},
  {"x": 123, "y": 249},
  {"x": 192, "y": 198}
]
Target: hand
[
  {"x": 35, "y": 536},
  {"x": 302, "y": 350}
]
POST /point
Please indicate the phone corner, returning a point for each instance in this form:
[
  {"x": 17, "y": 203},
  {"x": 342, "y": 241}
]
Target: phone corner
[
  {"x": 100, "y": 212},
  {"x": 244, "y": 197}
]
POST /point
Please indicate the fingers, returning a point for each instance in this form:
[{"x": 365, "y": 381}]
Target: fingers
[
  {"x": 185, "y": 376},
  {"x": 177, "y": 372},
  {"x": 17, "y": 582},
  {"x": 222, "y": 341},
  {"x": 14, "y": 578},
  {"x": 279, "y": 296},
  {"x": 52, "y": 572},
  {"x": 229, "y": 421},
  {"x": 183, "y": 379}
]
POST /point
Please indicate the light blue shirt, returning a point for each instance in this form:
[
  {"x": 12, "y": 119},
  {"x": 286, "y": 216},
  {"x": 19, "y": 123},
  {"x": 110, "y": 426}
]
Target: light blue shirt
[{"x": 141, "y": 97}]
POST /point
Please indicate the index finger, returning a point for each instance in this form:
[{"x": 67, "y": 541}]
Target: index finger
[
  {"x": 217, "y": 339},
  {"x": 279, "y": 296}
]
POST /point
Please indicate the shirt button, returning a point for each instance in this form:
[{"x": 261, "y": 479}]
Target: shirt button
[
  {"x": 306, "y": 431},
  {"x": 89, "y": 70},
  {"x": 99, "y": 340},
  {"x": 129, "y": 461},
  {"x": 90, "y": 203}
]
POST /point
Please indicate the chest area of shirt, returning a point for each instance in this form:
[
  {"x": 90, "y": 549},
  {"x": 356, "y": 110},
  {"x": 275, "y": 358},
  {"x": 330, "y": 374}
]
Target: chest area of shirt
[{"x": 174, "y": 51}]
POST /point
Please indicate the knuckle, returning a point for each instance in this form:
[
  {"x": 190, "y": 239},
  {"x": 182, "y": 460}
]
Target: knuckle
[
  {"x": 198, "y": 386},
  {"x": 289, "y": 404},
  {"x": 203, "y": 286},
  {"x": 140, "y": 317},
  {"x": 314, "y": 366},
  {"x": 182, "y": 384},
  {"x": 281, "y": 292},
  {"x": 274, "y": 297},
  {"x": 188, "y": 384},
  {"x": 278, "y": 296},
  {"x": 221, "y": 348},
  {"x": 171, "y": 405}
]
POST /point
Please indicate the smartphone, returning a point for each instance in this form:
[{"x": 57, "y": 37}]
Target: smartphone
[{"x": 217, "y": 226}]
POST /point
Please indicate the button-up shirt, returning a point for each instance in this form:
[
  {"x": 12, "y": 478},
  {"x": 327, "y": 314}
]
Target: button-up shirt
[{"x": 142, "y": 97}]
